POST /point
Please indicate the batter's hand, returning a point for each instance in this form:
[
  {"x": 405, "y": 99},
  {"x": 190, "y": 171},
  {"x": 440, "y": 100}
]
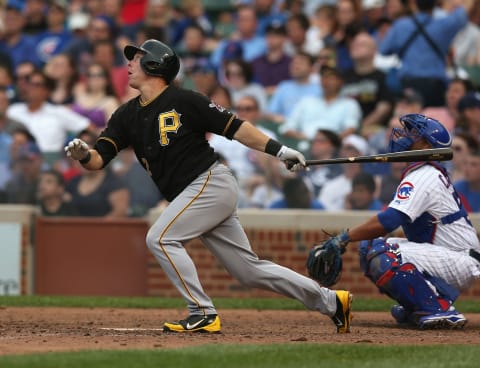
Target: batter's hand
[
  {"x": 77, "y": 149},
  {"x": 291, "y": 156}
]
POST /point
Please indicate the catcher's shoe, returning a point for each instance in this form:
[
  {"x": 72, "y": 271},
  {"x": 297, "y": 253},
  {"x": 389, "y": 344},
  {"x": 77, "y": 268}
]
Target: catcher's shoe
[
  {"x": 401, "y": 315},
  {"x": 343, "y": 315},
  {"x": 195, "y": 323},
  {"x": 450, "y": 319}
]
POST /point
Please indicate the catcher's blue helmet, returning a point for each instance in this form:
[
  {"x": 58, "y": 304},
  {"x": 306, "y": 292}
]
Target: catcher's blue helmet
[
  {"x": 416, "y": 127},
  {"x": 159, "y": 60}
]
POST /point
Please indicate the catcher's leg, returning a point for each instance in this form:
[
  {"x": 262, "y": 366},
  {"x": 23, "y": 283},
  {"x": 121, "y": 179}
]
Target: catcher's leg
[{"x": 382, "y": 263}]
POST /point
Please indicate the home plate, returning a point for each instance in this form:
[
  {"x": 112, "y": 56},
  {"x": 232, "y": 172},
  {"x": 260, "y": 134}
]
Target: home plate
[{"x": 130, "y": 329}]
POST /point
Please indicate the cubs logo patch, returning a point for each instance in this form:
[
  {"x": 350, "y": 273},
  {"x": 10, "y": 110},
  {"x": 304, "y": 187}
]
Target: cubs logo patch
[{"x": 405, "y": 190}]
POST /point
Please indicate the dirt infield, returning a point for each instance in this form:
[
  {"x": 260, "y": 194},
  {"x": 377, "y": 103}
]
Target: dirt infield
[{"x": 29, "y": 330}]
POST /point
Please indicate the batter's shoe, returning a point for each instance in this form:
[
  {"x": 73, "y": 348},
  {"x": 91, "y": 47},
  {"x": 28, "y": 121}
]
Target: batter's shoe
[
  {"x": 195, "y": 323},
  {"x": 450, "y": 319},
  {"x": 343, "y": 315}
]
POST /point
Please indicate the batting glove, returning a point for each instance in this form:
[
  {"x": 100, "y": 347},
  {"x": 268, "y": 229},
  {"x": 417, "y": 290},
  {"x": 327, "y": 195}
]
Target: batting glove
[
  {"x": 77, "y": 149},
  {"x": 292, "y": 156}
]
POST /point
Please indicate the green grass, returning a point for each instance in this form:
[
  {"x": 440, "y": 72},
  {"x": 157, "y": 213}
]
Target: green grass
[
  {"x": 360, "y": 304},
  {"x": 295, "y": 355}
]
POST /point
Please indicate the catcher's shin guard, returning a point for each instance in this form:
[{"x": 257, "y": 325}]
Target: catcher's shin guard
[{"x": 403, "y": 282}]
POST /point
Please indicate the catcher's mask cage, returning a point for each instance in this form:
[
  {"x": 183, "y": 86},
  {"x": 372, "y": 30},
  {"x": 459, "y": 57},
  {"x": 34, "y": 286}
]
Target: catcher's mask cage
[
  {"x": 159, "y": 60},
  {"x": 416, "y": 127}
]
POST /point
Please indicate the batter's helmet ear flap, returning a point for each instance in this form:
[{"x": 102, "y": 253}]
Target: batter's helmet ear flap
[{"x": 158, "y": 60}]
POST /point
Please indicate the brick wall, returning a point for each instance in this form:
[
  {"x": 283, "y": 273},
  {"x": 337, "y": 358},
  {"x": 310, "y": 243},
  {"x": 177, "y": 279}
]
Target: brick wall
[{"x": 285, "y": 240}]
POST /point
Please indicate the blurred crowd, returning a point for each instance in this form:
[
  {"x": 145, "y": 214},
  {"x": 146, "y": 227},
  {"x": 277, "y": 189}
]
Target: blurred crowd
[{"x": 327, "y": 77}]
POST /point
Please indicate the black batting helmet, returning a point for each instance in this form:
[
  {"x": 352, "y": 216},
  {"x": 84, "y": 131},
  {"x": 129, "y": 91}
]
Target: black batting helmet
[{"x": 159, "y": 60}]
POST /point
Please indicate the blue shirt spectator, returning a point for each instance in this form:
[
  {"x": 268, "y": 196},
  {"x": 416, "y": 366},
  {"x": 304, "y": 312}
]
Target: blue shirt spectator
[{"x": 289, "y": 92}]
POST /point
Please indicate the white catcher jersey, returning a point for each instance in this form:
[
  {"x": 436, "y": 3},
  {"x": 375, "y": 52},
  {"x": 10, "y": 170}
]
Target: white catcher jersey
[{"x": 426, "y": 190}]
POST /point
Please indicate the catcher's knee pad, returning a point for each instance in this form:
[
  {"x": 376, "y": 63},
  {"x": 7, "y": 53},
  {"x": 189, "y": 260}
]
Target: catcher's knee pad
[{"x": 401, "y": 281}]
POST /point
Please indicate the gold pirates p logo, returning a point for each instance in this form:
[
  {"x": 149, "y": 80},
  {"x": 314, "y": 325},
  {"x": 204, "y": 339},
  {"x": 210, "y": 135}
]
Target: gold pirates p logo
[{"x": 168, "y": 122}]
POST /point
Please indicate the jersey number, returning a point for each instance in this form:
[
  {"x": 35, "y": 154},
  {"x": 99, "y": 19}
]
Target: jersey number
[{"x": 168, "y": 122}]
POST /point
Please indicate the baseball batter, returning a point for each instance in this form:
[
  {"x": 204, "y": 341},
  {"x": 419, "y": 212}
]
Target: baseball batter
[
  {"x": 440, "y": 255},
  {"x": 166, "y": 127}
]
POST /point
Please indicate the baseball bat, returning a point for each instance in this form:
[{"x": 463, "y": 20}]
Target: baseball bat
[{"x": 432, "y": 154}]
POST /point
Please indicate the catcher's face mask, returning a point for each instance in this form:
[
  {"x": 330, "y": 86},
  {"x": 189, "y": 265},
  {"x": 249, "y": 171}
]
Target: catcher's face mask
[
  {"x": 416, "y": 127},
  {"x": 401, "y": 139}
]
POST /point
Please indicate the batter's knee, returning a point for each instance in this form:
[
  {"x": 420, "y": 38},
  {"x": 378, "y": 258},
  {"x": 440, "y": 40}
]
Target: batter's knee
[{"x": 152, "y": 239}]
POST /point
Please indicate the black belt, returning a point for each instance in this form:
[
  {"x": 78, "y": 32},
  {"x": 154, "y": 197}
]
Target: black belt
[{"x": 475, "y": 254}]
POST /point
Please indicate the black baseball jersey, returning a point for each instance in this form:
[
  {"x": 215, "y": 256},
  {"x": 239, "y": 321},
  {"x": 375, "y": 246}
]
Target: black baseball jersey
[{"x": 168, "y": 136}]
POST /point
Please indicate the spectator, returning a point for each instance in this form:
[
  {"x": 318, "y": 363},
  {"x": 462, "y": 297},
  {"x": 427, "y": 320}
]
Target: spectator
[
  {"x": 144, "y": 194},
  {"x": 297, "y": 28},
  {"x": 395, "y": 9},
  {"x": 466, "y": 44},
  {"x": 448, "y": 113},
  {"x": 193, "y": 52},
  {"x": 220, "y": 95},
  {"x": 362, "y": 195},
  {"x": 469, "y": 115},
  {"x": 252, "y": 44},
  {"x": 104, "y": 54},
  {"x": 98, "y": 193},
  {"x": 335, "y": 191},
  {"x": 193, "y": 14},
  {"x": 265, "y": 194},
  {"x": 14, "y": 42},
  {"x": 296, "y": 195},
  {"x": 323, "y": 25},
  {"x": 289, "y": 92},
  {"x": 463, "y": 145},
  {"x": 22, "y": 186},
  {"x": 324, "y": 145},
  {"x": 7, "y": 80},
  {"x": 56, "y": 36},
  {"x": 366, "y": 84},
  {"x": 469, "y": 188},
  {"x": 100, "y": 28},
  {"x": 62, "y": 70},
  {"x": 49, "y": 124},
  {"x": 373, "y": 12},
  {"x": 423, "y": 69},
  {"x": 22, "y": 73},
  {"x": 268, "y": 11},
  {"x": 331, "y": 111},
  {"x": 273, "y": 67},
  {"x": 240, "y": 83},
  {"x": 349, "y": 23},
  {"x": 204, "y": 79},
  {"x": 35, "y": 15},
  {"x": 51, "y": 195},
  {"x": 96, "y": 100},
  {"x": 160, "y": 17},
  {"x": 7, "y": 126}
]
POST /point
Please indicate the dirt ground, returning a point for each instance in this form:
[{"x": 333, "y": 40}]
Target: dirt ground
[{"x": 29, "y": 330}]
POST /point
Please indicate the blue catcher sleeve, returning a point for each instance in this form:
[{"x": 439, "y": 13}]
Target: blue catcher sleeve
[{"x": 392, "y": 219}]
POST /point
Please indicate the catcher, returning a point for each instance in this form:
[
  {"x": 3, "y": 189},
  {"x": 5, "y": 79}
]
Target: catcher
[{"x": 440, "y": 255}]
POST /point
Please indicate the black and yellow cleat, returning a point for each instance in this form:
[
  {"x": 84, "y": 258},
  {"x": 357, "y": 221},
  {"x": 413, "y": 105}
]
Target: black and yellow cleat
[
  {"x": 195, "y": 323},
  {"x": 343, "y": 315}
]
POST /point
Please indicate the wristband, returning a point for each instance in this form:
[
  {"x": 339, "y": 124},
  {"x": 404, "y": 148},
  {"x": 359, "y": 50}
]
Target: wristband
[
  {"x": 273, "y": 147},
  {"x": 86, "y": 159}
]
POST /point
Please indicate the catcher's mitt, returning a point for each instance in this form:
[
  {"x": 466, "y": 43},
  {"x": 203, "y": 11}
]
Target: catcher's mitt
[{"x": 324, "y": 262}]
